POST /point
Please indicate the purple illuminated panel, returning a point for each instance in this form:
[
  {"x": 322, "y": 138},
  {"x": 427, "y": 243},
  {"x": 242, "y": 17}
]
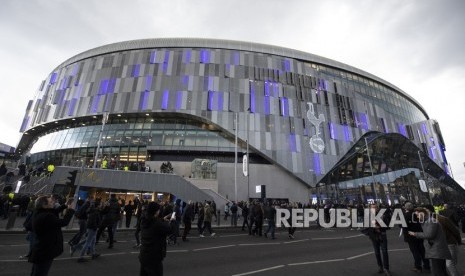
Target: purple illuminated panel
[
  {"x": 267, "y": 89},
  {"x": 402, "y": 130},
  {"x": 284, "y": 107},
  {"x": 164, "y": 100},
  {"x": 364, "y": 121},
  {"x": 53, "y": 78},
  {"x": 210, "y": 83},
  {"x": 252, "y": 98},
  {"x": 237, "y": 58},
  {"x": 432, "y": 152},
  {"x": 75, "y": 69},
  {"x": 332, "y": 131},
  {"x": 267, "y": 105},
  {"x": 144, "y": 96},
  {"x": 425, "y": 130},
  {"x": 211, "y": 95},
  {"x": 165, "y": 61},
  {"x": 135, "y": 70},
  {"x": 187, "y": 56},
  {"x": 292, "y": 143},
  {"x": 204, "y": 56},
  {"x": 95, "y": 104},
  {"x": 179, "y": 100},
  {"x": 103, "y": 87},
  {"x": 316, "y": 164},
  {"x": 287, "y": 65},
  {"x": 153, "y": 57},
  {"x": 347, "y": 134},
  {"x": 148, "y": 82}
]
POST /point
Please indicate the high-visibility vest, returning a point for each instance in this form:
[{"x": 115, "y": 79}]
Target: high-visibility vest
[{"x": 104, "y": 164}]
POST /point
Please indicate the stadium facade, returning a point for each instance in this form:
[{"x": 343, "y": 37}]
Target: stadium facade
[{"x": 313, "y": 128}]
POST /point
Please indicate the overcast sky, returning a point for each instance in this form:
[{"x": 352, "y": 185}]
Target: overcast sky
[{"x": 419, "y": 46}]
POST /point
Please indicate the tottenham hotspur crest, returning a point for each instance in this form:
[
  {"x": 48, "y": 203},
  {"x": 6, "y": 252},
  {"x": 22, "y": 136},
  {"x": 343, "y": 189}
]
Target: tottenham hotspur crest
[{"x": 316, "y": 143}]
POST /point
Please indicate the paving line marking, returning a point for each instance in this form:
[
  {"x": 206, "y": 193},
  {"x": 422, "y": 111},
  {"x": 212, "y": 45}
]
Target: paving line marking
[
  {"x": 401, "y": 249},
  {"x": 260, "y": 270},
  {"x": 354, "y": 236},
  {"x": 216, "y": 247},
  {"x": 316, "y": 262},
  {"x": 262, "y": 243},
  {"x": 358, "y": 256},
  {"x": 297, "y": 241},
  {"x": 322, "y": 239},
  {"x": 176, "y": 251}
]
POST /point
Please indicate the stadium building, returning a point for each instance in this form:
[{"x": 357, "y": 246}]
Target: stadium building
[{"x": 311, "y": 128}]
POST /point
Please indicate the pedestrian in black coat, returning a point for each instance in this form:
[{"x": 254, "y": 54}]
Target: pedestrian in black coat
[
  {"x": 46, "y": 227},
  {"x": 154, "y": 231}
]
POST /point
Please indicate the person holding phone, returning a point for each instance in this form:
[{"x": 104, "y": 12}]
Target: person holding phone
[
  {"x": 154, "y": 231},
  {"x": 46, "y": 226}
]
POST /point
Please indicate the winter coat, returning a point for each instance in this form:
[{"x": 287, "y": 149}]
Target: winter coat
[
  {"x": 153, "y": 239},
  {"x": 436, "y": 244},
  {"x": 48, "y": 236}
]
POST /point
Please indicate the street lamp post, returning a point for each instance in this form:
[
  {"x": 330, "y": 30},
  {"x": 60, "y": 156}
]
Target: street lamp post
[
  {"x": 424, "y": 176},
  {"x": 104, "y": 121},
  {"x": 372, "y": 174},
  {"x": 235, "y": 157}
]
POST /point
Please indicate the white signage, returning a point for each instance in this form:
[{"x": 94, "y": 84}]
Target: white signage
[
  {"x": 316, "y": 143},
  {"x": 258, "y": 189},
  {"x": 423, "y": 187}
]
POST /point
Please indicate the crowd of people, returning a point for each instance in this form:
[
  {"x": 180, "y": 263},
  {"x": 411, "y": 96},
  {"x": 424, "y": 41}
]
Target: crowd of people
[{"x": 158, "y": 224}]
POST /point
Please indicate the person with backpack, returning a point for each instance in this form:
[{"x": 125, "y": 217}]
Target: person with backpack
[{"x": 81, "y": 215}]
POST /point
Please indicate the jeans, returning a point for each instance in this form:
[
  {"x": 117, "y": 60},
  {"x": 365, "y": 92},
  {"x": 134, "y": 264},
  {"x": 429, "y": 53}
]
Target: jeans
[
  {"x": 381, "y": 250},
  {"x": 82, "y": 230},
  {"x": 187, "y": 228},
  {"x": 42, "y": 268},
  {"x": 90, "y": 242},
  {"x": 452, "y": 264},
  {"x": 271, "y": 227},
  {"x": 207, "y": 225},
  {"x": 234, "y": 219}
]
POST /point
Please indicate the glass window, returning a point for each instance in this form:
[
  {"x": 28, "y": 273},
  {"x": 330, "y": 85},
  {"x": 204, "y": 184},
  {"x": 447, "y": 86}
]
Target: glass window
[
  {"x": 157, "y": 137},
  {"x": 189, "y": 139},
  {"x": 201, "y": 140},
  {"x": 212, "y": 139},
  {"x": 168, "y": 138}
]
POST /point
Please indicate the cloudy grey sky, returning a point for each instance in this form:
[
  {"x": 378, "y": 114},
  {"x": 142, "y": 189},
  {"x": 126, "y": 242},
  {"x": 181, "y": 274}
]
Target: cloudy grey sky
[{"x": 417, "y": 45}]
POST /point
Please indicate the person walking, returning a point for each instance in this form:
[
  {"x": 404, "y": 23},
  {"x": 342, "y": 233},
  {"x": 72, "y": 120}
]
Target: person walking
[
  {"x": 453, "y": 241},
  {"x": 233, "y": 210},
  {"x": 378, "y": 238},
  {"x": 436, "y": 246},
  {"x": 128, "y": 210},
  {"x": 48, "y": 237},
  {"x": 187, "y": 219},
  {"x": 415, "y": 245},
  {"x": 154, "y": 231},
  {"x": 93, "y": 221}
]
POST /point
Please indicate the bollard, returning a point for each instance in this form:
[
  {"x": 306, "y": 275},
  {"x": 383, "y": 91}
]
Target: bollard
[
  {"x": 218, "y": 219},
  {"x": 12, "y": 217}
]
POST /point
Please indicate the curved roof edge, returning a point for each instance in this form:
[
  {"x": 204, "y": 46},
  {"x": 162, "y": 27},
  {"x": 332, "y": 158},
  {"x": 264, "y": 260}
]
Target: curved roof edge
[{"x": 231, "y": 45}]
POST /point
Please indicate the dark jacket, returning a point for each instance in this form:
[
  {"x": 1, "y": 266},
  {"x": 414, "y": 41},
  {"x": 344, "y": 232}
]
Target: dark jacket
[
  {"x": 48, "y": 236},
  {"x": 153, "y": 239},
  {"x": 93, "y": 218},
  {"x": 450, "y": 230},
  {"x": 412, "y": 225},
  {"x": 188, "y": 214},
  {"x": 111, "y": 211}
]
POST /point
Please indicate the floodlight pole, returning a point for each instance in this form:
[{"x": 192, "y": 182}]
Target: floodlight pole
[
  {"x": 104, "y": 121},
  {"x": 424, "y": 176},
  {"x": 371, "y": 169}
]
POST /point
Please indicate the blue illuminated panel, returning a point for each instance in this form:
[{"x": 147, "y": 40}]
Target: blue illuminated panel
[
  {"x": 164, "y": 100},
  {"x": 402, "y": 130},
  {"x": 144, "y": 96},
  {"x": 267, "y": 105},
  {"x": 179, "y": 100},
  {"x": 425, "y": 130},
  {"x": 347, "y": 135},
  {"x": 292, "y": 143},
  {"x": 153, "y": 57},
  {"x": 316, "y": 164},
  {"x": 204, "y": 56},
  {"x": 284, "y": 106},
  {"x": 148, "y": 82},
  {"x": 72, "y": 105},
  {"x": 135, "y": 70},
  {"x": 210, "y": 100},
  {"x": 53, "y": 78},
  {"x": 95, "y": 103},
  {"x": 187, "y": 56},
  {"x": 332, "y": 131}
]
